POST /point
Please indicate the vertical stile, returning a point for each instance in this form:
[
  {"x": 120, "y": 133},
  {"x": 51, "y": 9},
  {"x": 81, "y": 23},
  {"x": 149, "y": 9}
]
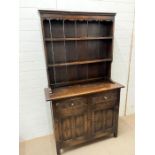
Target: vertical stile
[
  {"x": 53, "y": 59},
  {"x": 76, "y": 51},
  {"x": 87, "y": 47},
  {"x": 76, "y": 40},
  {"x": 112, "y": 46},
  {"x": 65, "y": 49},
  {"x": 98, "y": 47}
]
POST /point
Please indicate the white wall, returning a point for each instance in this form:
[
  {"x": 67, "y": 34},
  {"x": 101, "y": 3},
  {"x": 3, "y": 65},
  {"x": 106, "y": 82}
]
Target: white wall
[
  {"x": 35, "y": 117},
  {"x": 130, "y": 104}
]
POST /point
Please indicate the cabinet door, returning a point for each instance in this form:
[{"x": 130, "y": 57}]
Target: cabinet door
[
  {"x": 102, "y": 121},
  {"x": 72, "y": 120},
  {"x": 102, "y": 107},
  {"x": 73, "y": 127}
]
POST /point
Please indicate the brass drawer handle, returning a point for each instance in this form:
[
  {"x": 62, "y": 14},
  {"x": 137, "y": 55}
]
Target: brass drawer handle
[
  {"x": 105, "y": 97},
  {"x": 72, "y": 104},
  {"x": 57, "y": 104},
  {"x": 108, "y": 20}
]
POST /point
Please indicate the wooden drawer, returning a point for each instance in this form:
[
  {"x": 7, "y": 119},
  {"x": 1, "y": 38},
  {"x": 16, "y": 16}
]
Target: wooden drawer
[
  {"x": 103, "y": 105},
  {"x": 69, "y": 107},
  {"x": 103, "y": 97},
  {"x": 103, "y": 100}
]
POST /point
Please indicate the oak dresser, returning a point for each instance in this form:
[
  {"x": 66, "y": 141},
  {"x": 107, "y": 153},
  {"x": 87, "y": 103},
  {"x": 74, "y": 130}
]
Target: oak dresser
[{"x": 79, "y": 52}]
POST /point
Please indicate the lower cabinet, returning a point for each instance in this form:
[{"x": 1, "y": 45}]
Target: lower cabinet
[{"x": 81, "y": 119}]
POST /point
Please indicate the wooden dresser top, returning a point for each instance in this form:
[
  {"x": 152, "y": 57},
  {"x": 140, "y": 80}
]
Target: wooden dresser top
[{"x": 78, "y": 90}]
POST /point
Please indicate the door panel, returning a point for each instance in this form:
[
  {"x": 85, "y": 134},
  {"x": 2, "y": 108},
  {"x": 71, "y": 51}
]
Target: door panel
[
  {"x": 109, "y": 118},
  {"x": 66, "y": 129},
  {"x": 99, "y": 120},
  {"x": 102, "y": 120},
  {"x": 74, "y": 127},
  {"x": 79, "y": 126}
]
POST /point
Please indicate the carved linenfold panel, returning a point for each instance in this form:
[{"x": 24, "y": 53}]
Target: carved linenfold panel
[
  {"x": 98, "y": 120},
  {"x": 73, "y": 127},
  {"x": 109, "y": 118},
  {"x": 66, "y": 129},
  {"x": 103, "y": 120},
  {"x": 79, "y": 126}
]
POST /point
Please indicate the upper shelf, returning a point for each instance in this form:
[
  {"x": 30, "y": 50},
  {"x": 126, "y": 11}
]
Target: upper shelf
[{"x": 80, "y": 38}]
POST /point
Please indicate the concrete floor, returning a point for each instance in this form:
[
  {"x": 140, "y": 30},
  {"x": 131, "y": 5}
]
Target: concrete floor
[{"x": 124, "y": 144}]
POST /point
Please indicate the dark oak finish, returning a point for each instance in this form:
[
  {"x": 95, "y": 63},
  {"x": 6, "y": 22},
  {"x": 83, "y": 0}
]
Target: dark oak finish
[{"x": 78, "y": 52}]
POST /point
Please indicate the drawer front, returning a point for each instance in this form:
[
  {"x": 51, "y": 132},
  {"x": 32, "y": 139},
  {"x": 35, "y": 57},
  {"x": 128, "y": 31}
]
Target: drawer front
[
  {"x": 104, "y": 97},
  {"x": 69, "y": 107},
  {"x": 103, "y": 105}
]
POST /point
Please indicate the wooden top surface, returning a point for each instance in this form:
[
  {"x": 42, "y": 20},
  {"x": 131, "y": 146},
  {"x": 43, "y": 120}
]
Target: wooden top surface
[
  {"x": 77, "y": 90},
  {"x": 75, "y": 12},
  {"x": 69, "y": 15}
]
